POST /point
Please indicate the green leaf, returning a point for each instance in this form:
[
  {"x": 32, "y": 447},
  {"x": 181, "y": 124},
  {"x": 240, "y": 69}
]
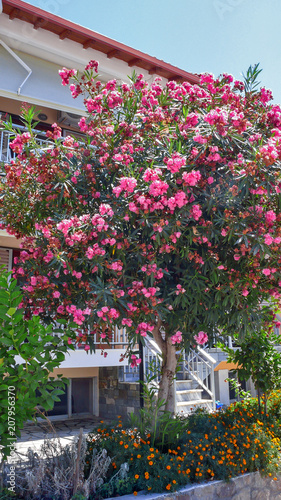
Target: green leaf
[{"x": 11, "y": 311}]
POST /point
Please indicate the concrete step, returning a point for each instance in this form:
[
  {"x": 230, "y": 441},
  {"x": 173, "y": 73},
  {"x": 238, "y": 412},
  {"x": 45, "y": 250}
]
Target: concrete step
[
  {"x": 189, "y": 395},
  {"x": 194, "y": 402},
  {"x": 189, "y": 391},
  {"x": 186, "y": 384},
  {"x": 187, "y": 407}
]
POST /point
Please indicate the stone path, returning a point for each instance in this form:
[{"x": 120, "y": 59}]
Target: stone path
[{"x": 33, "y": 434}]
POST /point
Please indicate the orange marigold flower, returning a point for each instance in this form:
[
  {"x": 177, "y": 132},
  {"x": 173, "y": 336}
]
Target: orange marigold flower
[
  {"x": 168, "y": 467},
  {"x": 168, "y": 487},
  {"x": 150, "y": 463},
  {"x": 137, "y": 476},
  {"x": 135, "y": 493}
]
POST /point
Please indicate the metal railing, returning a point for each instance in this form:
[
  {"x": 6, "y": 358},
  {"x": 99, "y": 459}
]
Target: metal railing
[
  {"x": 200, "y": 366},
  {"x": 118, "y": 340},
  {"x": 152, "y": 362},
  {"x": 6, "y": 153},
  {"x": 6, "y": 137}
]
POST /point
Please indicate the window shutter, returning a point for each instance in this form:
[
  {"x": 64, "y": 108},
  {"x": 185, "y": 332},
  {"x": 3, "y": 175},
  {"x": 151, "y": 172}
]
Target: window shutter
[{"x": 6, "y": 255}]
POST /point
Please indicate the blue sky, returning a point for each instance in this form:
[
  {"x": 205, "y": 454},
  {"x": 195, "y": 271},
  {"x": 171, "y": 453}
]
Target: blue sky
[{"x": 216, "y": 36}]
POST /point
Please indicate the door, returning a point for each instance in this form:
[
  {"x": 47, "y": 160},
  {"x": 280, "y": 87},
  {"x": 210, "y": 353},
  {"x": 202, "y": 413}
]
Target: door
[{"x": 82, "y": 396}]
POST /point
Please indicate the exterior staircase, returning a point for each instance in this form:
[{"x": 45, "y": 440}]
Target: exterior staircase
[
  {"x": 194, "y": 384},
  {"x": 189, "y": 396}
]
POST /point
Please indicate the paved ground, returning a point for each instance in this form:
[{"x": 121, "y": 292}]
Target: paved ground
[{"x": 33, "y": 435}]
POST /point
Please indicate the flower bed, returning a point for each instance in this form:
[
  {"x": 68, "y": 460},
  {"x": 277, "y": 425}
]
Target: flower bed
[{"x": 222, "y": 445}]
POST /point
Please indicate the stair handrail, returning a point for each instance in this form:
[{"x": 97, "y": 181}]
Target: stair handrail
[
  {"x": 151, "y": 347},
  {"x": 200, "y": 365}
]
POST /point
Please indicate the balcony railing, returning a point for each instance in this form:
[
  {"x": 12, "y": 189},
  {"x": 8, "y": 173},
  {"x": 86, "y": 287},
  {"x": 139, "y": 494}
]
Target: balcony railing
[
  {"x": 118, "y": 340},
  {"x": 6, "y": 137}
]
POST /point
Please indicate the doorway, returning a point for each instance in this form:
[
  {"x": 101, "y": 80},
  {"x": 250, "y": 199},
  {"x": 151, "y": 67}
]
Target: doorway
[{"x": 82, "y": 396}]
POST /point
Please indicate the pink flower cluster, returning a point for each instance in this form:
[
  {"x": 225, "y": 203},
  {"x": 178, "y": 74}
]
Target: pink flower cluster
[
  {"x": 175, "y": 236},
  {"x": 65, "y": 225},
  {"x": 191, "y": 120},
  {"x": 95, "y": 105},
  {"x": 201, "y": 338},
  {"x": 195, "y": 212},
  {"x": 127, "y": 185},
  {"x": 177, "y": 337},
  {"x": 268, "y": 239},
  {"x": 151, "y": 174},
  {"x": 66, "y": 74},
  {"x": 48, "y": 257},
  {"x": 92, "y": 65},
  {"x": 116, "y": 266},
  {"x": 78, "y": 314},
  {"x": 114, "y": 99},
  {"x": 143, "y": 328},
  {"x": 179, "y": 200},
  {"x": 191, "y": 178},
  {"x": 106, "y": 209},
  {"x": 157, "y": 188},
  {"x": 216, "y": 117},
  {"x": 180, "y": 289},
  {"x": 152, "y": 269},
  {"x": 17, "y": 144},
  {"x": 149, "y": 292},
  {"x": 127, "y": 322},
  {"x": 93, "y": 251},
  {"x": 175, "y": 163},
  {"x": 269, "y": 271},
  {"x": 134, "y": 361},
  {"x": 270, "y": 217},
  {"x": 108, "y": 314}
]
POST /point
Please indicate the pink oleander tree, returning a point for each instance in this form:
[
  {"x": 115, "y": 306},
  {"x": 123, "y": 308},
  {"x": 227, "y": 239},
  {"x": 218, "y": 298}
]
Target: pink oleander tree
[{"x": 164, "y": 220}]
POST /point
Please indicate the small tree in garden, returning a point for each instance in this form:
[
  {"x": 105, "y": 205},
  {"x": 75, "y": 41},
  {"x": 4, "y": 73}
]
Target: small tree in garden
[
  {"x": 164, "y": 220},
  {"x": 258, "y": 358},
  {"x": 29, "y": 351}
]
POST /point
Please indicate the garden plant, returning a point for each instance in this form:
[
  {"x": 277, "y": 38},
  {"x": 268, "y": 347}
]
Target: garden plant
[
  {"x": 29, "y": 352},
  {"x": 257, "y": 358}
]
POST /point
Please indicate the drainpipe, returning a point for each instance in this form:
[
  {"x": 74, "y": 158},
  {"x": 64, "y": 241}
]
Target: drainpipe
[
  {"x": 17, "y": 58},
  {"x": 1, "y": 7}
]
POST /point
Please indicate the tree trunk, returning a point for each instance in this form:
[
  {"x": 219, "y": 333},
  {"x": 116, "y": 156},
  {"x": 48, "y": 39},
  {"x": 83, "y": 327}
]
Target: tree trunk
[
  {"x": 168, "y": 370},
  {"x": 166, "y": 385}
]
